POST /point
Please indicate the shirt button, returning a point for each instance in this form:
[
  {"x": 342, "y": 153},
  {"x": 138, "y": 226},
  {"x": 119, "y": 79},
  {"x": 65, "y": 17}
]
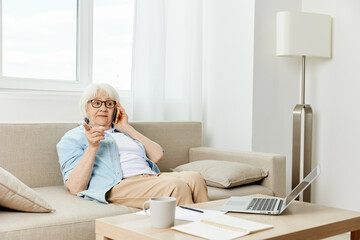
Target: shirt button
[
  {"x": 114, "y": 158},
  {"x": 117, "y": 172},
  {"x": 112, "y": 142}
]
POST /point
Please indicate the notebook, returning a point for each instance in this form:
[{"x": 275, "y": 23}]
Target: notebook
[
  {"x": 273, "y": 206},
  {"x": 221, "y": 227}
]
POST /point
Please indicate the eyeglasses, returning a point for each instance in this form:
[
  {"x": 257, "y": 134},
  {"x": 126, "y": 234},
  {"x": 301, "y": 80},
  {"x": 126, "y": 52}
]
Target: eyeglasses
[{"x": 98, "y": 103}]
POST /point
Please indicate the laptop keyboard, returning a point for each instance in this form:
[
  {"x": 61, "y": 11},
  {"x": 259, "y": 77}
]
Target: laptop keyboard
[{"x": 262, "y": 204}]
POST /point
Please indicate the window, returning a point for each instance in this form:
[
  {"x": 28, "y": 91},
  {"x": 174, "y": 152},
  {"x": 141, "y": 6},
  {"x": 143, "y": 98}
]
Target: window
[
  {"x": 63, "y": 45},
  {"x": 39, "y": 39}
]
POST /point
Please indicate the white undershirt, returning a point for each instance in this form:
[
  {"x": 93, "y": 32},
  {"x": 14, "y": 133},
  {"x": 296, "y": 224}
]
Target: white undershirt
[{"x": 130, "y": 154}]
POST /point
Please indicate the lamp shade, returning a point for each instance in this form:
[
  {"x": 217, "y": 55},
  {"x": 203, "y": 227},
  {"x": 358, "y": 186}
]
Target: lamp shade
[{"x": 303, "y": 34}]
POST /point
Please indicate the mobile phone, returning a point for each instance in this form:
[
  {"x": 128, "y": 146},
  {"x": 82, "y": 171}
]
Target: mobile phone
[{"x": 116, "y": 115}]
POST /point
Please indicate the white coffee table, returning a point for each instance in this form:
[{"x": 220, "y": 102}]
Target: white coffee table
[{"x": 300, "y": 221}]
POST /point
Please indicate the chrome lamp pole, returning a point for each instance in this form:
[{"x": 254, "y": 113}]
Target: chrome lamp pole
[{"x": 302, "y": 133}]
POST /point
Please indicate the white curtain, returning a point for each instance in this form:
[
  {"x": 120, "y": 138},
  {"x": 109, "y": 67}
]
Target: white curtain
[{"x": 167, "y": 63}]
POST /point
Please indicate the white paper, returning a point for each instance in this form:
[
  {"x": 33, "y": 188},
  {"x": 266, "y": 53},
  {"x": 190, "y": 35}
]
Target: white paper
[
  {"x": 208, "y": 231},
  {"x": 189, "y": 215},
  {"x": 221, "y": 227},
  {"x": 238, "y": 222}
]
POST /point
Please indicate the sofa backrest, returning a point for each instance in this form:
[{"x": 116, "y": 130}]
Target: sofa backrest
[{"x": 28, "y": 150}]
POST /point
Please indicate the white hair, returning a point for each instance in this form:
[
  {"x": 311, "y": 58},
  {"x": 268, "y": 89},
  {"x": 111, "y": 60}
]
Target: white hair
[{"x": 92, "y": 90}]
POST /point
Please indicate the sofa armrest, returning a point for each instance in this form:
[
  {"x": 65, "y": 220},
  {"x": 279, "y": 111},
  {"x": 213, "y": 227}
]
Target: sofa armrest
[{"x": 274, "y": 164}]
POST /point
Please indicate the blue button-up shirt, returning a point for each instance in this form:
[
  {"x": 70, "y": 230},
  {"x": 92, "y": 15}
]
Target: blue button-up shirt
[{"x": 106, "y": 171}]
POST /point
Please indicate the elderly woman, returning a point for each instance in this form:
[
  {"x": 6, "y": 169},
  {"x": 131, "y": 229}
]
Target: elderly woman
[{"x": 112, "y": 162}]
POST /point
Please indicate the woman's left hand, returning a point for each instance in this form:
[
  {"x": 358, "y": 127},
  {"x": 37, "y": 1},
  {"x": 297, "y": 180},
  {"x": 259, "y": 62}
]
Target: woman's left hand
[{"x": 123, "y": 121}]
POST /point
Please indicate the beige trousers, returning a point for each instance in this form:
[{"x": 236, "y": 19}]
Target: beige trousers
[{"x": 187, "y": 187}]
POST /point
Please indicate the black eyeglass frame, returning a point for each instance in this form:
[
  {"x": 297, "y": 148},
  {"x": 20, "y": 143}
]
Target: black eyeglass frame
[{"x": 105, "y": 102}]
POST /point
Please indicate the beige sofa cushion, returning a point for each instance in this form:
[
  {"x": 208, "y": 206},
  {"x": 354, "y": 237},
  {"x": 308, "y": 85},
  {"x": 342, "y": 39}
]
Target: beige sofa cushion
[
  {"x": 224, "y": 174},
  {"x": 74, "y": 217},
  {"x": 14, "y": 194}
]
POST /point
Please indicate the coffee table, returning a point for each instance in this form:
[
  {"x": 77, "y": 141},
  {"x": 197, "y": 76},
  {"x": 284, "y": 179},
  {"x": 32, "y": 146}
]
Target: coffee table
[{"x": 299, "y": 221}]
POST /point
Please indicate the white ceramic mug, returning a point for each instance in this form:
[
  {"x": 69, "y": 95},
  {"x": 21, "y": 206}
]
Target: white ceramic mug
[{"x": 162, "y": 211}]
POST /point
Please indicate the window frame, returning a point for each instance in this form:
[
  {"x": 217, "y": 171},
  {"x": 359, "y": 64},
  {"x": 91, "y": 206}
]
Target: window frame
[{"x": 84, "y": 45}]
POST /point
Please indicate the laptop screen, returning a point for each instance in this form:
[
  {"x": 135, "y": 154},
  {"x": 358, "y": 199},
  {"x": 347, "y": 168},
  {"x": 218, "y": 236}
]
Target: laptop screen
[{"x": 302, "y": 185}]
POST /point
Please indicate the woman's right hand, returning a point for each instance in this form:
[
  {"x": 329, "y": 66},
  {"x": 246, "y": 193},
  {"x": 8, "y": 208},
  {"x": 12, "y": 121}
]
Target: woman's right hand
[
  {"x": 79, "y": 177},
  {"x": 94, "y": 135}
]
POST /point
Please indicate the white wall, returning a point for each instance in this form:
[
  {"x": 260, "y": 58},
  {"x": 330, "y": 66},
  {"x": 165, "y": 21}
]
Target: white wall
[
  {"x": 276, "y": 84},
  {"x": 333, "y": 90},
  {"x": 34, "y": 106},
  {"x": 227, "y": 73},
  {"x": 38, "y": 106}
]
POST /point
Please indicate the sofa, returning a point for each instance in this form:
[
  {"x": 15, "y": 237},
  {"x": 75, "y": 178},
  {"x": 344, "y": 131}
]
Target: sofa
[{"x": 28, "y": 152}]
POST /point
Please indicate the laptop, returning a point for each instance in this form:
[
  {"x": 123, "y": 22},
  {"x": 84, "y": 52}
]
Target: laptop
[{"x": 273, "y": 206}]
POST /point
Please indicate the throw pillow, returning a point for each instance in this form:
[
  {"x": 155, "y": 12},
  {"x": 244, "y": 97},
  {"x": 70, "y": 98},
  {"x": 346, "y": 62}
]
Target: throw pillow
[
  {"x": 14, "y": 194},
  {"x": 224, "y": 174}
]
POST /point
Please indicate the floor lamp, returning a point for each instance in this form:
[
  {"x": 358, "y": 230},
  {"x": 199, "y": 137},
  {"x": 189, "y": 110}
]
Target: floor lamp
[{"x": 302, "y": 35}]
